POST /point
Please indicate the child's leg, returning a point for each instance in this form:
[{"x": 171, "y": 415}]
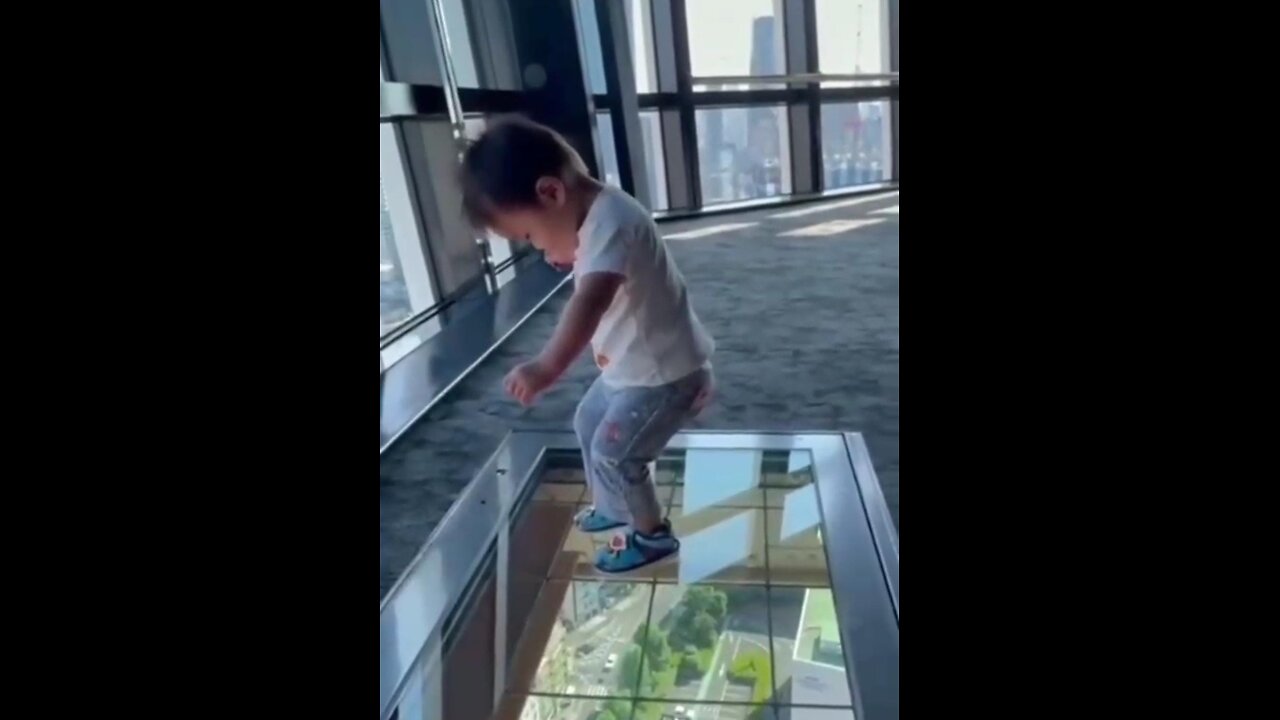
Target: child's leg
[
  {"x": 591, "y": 411},
  {"x": 637, "y": 425}
]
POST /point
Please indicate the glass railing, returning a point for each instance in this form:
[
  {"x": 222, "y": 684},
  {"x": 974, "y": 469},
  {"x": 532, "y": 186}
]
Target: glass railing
[{"x": 782, "y": 602}]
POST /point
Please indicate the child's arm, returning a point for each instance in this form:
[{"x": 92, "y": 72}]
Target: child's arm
[{"x": 592, "y": 295}]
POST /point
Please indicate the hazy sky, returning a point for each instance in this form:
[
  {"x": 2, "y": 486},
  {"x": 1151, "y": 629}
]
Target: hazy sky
[
  {"x": 720, "y": 34},
  {"x": 849, "y": 34}
]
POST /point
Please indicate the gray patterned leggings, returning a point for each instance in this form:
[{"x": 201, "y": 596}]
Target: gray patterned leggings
[{"x": 622, "y": 430}]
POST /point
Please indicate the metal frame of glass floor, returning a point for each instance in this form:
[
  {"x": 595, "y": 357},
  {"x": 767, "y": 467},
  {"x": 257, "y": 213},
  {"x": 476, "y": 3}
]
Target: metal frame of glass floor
[{"x": 782, "y": 604}]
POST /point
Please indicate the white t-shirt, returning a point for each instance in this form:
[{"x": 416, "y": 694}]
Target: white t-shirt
[{"x": 649, "y": 335}]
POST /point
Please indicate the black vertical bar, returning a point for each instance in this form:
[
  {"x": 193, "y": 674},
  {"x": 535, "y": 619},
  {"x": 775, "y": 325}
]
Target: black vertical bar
[
  {"x": 684, "y": 92},
  {"x": 893, "y": 108},
  {"x": 794, "y": 42},
  {"x": 609, "y": 54},
  {"x": 662, "y": 42},
  {"x": 816, "y": 162}
]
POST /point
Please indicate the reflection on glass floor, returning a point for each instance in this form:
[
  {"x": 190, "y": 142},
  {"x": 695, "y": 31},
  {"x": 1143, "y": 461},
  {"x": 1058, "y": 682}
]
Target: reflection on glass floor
[
  {"x": 742, "y": 626},
  {"x": 726, "y": 506}
]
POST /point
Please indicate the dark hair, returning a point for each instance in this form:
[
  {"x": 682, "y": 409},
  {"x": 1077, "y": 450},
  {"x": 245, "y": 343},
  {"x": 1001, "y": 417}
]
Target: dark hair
[{"x": 501, "y": 168}]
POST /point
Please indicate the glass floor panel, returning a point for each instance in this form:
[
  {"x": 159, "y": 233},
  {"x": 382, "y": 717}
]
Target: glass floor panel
[{"x": 758, "y": 617}]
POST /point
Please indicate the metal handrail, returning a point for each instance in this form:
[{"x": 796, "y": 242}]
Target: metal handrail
[{"x": 417, "y": 319}]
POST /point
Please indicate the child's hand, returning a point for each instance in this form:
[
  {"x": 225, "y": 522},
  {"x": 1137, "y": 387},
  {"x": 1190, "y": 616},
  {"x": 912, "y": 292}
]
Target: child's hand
[{"x": 527, "y": 380}]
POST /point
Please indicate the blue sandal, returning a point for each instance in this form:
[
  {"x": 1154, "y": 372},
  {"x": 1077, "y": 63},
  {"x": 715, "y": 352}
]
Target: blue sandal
[
  {"x": 590, "y": 521},
  {"x": 634, "y": 550}
]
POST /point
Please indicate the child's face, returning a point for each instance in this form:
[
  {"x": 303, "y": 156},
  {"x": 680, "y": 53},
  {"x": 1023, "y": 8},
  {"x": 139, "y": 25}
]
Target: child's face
[{"x": 550, "y": 226}]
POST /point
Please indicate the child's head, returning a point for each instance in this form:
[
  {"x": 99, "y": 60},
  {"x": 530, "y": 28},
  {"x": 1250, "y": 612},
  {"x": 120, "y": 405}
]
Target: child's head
[{"x": 523, "y": 181}]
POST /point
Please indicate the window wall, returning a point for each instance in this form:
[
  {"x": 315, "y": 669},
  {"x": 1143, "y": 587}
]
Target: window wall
[
  {"x": 743, "y": 153},
  {"x": 639, "y": 15},
  {"x": 392, "y": 290},
  {"x": 857, "y": 144},
  {"x": 655, "y": 162},
  {"x": 404, "y": 283},
  {"x": 640, "y": 31},
  {"x": 708, "y": 132},
  {"x": 703, "y": 74}
]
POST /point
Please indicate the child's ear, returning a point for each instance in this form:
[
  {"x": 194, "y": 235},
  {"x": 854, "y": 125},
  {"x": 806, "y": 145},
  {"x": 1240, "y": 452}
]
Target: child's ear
[{"x": 550, "y": 191}]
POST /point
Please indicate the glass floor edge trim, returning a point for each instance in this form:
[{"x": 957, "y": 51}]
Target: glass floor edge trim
[{"x": 856, "y": 528}]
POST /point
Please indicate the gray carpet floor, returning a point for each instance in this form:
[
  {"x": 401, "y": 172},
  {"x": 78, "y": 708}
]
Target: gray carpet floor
[{"x": 806, "y": 330}]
